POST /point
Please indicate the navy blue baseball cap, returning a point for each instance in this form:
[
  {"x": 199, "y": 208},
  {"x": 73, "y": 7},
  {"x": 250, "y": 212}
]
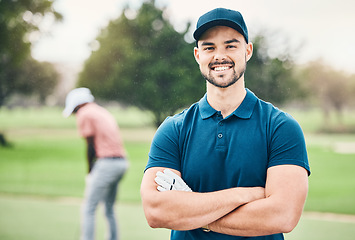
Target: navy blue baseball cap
[{"x": 221, "y": 17}]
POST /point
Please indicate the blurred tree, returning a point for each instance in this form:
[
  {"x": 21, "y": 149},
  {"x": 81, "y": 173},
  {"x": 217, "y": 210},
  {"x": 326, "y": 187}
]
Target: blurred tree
[
  {"x": 37, "y": 78},
  {"x": 271, "y": 78},
  {"x": 331, "y": 89},
  {"x": 19, "y": 20},
  {"x": 32, "y": 77},
  {"x": 143, "y": 61}
]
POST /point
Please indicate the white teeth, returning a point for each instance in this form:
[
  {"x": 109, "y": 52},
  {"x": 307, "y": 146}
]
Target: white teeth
[{"x": 221, "y": 68}]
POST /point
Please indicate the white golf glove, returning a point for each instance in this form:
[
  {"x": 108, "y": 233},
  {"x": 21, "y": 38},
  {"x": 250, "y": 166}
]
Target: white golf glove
[{"x": 167, "y": 180}]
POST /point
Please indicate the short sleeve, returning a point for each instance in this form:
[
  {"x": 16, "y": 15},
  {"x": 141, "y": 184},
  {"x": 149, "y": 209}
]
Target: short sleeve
[
  {"x": 287, "y": 145},
  {"x": 164, "y": 150},
  {"x": 85, "y": 126}
]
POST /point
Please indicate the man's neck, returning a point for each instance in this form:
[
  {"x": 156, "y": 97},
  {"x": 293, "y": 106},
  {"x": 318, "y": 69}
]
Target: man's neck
[{"x": 226, "y": 100}]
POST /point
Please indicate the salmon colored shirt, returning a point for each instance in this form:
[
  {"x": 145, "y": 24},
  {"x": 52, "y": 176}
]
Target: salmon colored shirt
[{"x": 95, "y": 121}]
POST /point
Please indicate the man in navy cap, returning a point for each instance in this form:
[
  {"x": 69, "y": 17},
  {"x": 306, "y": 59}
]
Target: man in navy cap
[{"x": 231, "y": 166}]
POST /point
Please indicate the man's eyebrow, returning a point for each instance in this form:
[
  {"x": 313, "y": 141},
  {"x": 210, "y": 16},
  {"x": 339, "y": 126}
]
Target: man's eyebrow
[
  {"x": 226, "y": 42},
  {"x": 207, "y": 44},
  {"x": 232, "y": 41}
]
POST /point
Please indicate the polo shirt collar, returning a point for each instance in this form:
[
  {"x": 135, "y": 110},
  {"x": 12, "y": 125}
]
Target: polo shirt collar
[
  {"x": 205, "y": 108},
  {"x": 244, "y": 111}
]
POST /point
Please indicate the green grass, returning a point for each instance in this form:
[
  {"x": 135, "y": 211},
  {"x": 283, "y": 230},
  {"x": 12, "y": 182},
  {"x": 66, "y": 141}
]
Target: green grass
[
  {"x": 38, "y": 218},
  {"x": 332, "y": 185},
  {"x": 47, "y": 156},
  {"x": 313, "y": 120},
  {"x": 52, "y": 167},
  {"x": 37, "y": 166},
  {"x": 320, "y": 229},
  {"x": 51, "y": 118}
]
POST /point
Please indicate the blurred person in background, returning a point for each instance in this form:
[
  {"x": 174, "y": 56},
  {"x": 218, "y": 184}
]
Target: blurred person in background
[
  {"x": 231, "y": 166},
  {"x": 106, "y": 158}
]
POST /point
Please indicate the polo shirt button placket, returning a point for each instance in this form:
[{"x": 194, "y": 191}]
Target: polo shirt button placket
[
  {"x": 220, "y": 130},
  {"x": 221, "y": 133}
]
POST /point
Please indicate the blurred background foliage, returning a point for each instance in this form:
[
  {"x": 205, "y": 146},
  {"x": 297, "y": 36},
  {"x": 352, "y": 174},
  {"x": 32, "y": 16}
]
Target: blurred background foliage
[
  {"x": 140, "y": 60},
  {"x": 19, "y": 72},
  {"x": 144, "y": 62}
]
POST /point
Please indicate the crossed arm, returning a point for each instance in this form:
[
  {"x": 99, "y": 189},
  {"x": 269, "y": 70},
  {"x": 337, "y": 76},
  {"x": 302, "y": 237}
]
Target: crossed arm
[{"x": 234, "y": 211}]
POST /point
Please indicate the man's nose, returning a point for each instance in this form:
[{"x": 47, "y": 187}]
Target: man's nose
[{"x": 220, "y": 55}]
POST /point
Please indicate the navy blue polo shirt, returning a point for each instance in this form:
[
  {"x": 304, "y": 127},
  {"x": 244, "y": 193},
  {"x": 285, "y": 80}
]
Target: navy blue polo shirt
[{"x": 214, "y": 153}]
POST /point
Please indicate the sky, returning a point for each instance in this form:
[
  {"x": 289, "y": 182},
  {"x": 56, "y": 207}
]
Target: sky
[{"x": 312, "y": 29}]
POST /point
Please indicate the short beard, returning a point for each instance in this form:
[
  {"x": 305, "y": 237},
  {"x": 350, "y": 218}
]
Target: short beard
[{"x": 234, "y": 80}]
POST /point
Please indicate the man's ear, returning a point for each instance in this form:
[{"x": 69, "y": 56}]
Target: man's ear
[
  {"x": 249, "y": 52},
  {"x": 197, "y": 55}
]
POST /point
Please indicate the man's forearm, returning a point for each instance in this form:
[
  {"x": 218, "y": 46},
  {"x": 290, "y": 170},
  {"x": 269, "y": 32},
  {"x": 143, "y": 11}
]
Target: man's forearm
[
  {"x": 256, "y": 218},
  {"x": 286, "y": 191},
  {"x": 188, "y": 210},
  {"x": 180, "y": 210}
]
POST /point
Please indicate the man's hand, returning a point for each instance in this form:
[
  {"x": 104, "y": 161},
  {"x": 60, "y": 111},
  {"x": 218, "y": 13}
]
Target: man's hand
[{"x": 167, "y": 180}]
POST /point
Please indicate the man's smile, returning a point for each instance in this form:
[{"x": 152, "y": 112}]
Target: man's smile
[{"x": 221, "y": 68}]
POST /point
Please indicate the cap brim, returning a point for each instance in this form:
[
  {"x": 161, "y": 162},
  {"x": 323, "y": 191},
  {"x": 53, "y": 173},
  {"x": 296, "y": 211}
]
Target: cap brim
[{"x": 67, "y": 111}]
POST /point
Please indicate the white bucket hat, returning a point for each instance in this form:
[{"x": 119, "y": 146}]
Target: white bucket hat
[{"x": 76, "y": 97}]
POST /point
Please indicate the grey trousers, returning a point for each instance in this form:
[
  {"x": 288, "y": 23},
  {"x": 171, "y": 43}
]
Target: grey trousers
[{"x": 102, "y": 186}]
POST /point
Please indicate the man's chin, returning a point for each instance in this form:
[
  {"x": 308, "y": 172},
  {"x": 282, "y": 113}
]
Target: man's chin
[{"x": 221, "y": 84}]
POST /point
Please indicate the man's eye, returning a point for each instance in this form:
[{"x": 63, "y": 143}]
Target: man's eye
[
  {"x": 209, "y": 48},
  {"x": 231, "y": 46}
]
